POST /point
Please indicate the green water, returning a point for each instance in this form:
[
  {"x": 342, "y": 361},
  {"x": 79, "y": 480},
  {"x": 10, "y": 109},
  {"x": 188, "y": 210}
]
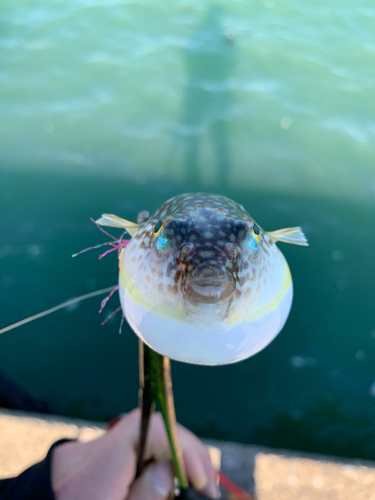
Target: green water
[{"x": 110, "y": 106}]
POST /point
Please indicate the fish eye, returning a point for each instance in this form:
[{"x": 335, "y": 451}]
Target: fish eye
[
  {"x": 255, "y": 239},
  {"x": 158, "y": 228}
]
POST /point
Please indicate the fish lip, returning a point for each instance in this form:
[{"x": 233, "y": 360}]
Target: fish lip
[{"x": 208, "y": 292}]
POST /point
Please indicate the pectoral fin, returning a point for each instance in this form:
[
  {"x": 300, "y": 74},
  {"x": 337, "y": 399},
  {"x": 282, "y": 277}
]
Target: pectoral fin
[
  {"x": 115, "y": 221},
  {"x": 293, "y": 235}
]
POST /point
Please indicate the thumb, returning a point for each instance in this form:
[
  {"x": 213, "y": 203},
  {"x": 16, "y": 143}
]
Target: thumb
[{"x": 156, "y": 483}]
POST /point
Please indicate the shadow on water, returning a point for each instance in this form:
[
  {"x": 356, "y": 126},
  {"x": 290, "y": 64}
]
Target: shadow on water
[
  {"x": 209, "y": 60},
  {"x": 312, "y": 389}
]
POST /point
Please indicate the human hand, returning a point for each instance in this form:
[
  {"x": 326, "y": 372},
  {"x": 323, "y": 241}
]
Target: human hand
[{"x": 104, "y": 469}]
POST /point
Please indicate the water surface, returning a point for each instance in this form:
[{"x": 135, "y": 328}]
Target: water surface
[{"x": 115, "y": 106}]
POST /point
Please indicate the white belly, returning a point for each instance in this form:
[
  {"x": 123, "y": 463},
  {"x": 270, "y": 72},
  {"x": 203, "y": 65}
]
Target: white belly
[{"x": 184, "y": 341}]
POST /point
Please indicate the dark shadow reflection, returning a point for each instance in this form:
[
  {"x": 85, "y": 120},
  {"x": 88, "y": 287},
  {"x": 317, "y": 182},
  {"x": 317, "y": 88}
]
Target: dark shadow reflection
[{"x": 209, "y": 58}]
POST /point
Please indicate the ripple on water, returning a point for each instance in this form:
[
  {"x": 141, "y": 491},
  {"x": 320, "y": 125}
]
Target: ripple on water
[{"x": 363, "y": 133}]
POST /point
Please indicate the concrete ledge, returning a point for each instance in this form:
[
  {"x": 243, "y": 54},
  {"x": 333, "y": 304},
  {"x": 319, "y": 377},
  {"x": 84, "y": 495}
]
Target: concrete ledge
[
  {"x": 271, "y": 474},
  {"x": 285, "y": 475},
  {"x": 25, "y": 438}
]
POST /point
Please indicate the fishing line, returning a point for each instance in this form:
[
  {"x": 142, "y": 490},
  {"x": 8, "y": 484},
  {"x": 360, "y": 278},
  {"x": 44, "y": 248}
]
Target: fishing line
[{"x": 56, "y": 308}]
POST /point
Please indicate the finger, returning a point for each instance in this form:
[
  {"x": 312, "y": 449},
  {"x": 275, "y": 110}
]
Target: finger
[
  {"x": 199, "y": 469},
  {"x": 198, "y": 464},
  {"x": 156, "y": 483}
]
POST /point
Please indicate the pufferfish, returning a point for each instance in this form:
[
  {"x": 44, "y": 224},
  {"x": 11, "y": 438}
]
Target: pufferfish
[{"x": 201, "y": 282}]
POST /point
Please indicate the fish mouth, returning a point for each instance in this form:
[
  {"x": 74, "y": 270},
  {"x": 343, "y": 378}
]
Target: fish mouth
[{"x": 208, "y": 292}]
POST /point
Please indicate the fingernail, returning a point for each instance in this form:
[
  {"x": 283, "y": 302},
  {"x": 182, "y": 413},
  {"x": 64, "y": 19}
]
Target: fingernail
[
  {"x": 161, "y": 478},
  {"x": 212, "y": 490},
  {"x": 200, "y": 480}
]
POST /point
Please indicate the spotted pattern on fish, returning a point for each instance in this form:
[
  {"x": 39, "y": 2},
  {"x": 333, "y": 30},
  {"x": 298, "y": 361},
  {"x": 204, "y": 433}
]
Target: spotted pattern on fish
[
  {"x": 199, "y": 232},
  {"x": 201, "y": 282}
]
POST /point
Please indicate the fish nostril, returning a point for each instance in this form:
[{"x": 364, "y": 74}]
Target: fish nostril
[
  {"x": 186, "y": 249},
  {"x": 232, "y": 250}
]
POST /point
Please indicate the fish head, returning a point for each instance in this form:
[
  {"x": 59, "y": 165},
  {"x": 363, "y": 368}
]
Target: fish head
[{"x": 204, "y": 249}]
